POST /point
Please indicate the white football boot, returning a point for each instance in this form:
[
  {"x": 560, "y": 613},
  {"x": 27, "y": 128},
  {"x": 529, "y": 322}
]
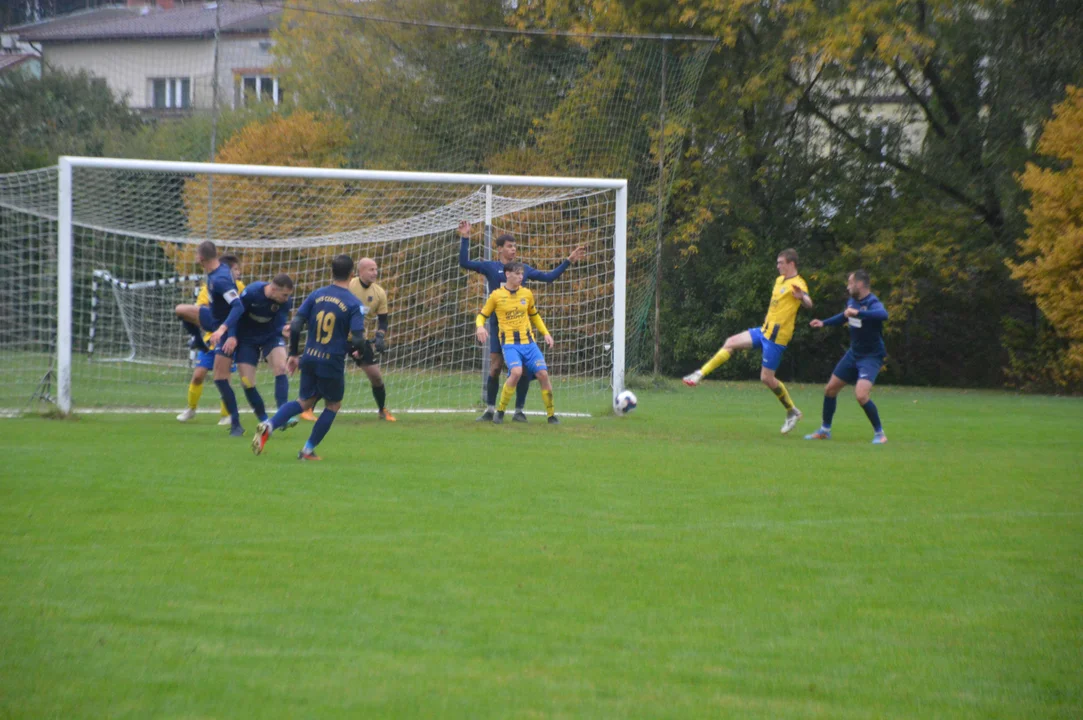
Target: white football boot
[
  {"x": 693, "y": 379},
  {"x": 792, "y": 416}
]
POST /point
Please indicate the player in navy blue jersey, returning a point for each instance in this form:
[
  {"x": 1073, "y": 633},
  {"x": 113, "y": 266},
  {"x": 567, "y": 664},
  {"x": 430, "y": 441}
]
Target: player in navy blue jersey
[
  {"x": 865, "y": 315},
  {"x": 225, "y": 305},
  {"x": 336, "y": 325},
  {"x": 258, "y": 334},
  {"x": 493, "y": 270},
  {"x": 204, "y": 359}
]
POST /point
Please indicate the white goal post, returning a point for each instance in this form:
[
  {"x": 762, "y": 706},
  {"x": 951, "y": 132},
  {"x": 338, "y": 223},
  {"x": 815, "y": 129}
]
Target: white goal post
[{"x": 134, "y": 225}]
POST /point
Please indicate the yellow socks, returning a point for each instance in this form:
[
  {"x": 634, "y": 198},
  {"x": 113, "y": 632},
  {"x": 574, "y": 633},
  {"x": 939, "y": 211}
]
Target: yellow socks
[
  {"x": 547, "y": 398},
  {"x": 783, "y": 396},
  {"x": 719, "y": 358},
  {"x": 506, "y": 394},
  {"x": 224, "y": 411},
  {"x": 195, "y": 392}
]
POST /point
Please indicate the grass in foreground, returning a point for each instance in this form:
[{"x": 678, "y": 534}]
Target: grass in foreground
[{"x": 684, "y": 561}]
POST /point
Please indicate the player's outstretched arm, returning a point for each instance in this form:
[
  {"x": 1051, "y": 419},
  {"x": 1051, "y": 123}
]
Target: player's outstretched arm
[
  {"x": 530, "y": 273},
  {"x": 834, "y": 320},
  {"x": 464, "y": 249}
]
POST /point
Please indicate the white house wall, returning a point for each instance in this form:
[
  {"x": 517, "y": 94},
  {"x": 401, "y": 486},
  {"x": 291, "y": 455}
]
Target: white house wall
[
  {"x": 129, "y": 65},
  {"x": 240, "y": 53}
]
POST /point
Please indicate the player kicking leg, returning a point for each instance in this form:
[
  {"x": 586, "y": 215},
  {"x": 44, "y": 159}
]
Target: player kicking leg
[
  {"x": 753, "y": 338},
  {"x": 740, "y": 341},
  {"x": 312, "y": 389}
]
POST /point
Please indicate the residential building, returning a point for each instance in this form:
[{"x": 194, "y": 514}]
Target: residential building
[{"x": 161, "y": 59}]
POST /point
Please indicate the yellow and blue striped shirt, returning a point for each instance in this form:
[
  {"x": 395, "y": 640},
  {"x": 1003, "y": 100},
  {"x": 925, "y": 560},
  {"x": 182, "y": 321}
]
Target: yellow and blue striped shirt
[
  {"x": 782, "y": 312},
  {"x": 515, "y": 313}
]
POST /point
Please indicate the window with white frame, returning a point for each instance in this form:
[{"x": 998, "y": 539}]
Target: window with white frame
[
  {"x": 259, "y": 88},
  {"x": 167, "y": 93}
]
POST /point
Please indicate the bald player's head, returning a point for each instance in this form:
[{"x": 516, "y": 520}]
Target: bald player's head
[{"x": 367, "y": 271}]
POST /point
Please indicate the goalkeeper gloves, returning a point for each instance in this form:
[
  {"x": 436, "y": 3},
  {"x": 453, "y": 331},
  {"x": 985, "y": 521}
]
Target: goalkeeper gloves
[{"x": 380, "y": 345}]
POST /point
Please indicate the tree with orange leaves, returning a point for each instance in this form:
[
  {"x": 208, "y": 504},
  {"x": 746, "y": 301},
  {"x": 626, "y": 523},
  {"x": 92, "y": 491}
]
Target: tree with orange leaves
[{"x": 1051, "y": 267}]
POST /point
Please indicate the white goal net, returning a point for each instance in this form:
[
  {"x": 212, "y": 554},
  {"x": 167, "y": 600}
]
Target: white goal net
[{"x": 94, "y": 269}]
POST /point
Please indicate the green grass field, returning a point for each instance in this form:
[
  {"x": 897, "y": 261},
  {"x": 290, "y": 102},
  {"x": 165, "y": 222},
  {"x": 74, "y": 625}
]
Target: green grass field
[{"x": 686, "y": 561}]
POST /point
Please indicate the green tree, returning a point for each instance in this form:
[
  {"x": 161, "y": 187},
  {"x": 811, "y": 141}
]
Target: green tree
[
  {"x": 776, "y": 160},
  {"x": 60, "y": 113},
  {"x": 188, "y": 138}
]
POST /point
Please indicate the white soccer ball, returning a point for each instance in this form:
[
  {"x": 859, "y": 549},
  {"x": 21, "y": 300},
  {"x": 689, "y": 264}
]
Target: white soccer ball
[{"x": 625, "y": 403}]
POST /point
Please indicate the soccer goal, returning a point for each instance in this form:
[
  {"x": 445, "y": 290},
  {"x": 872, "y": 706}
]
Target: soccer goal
[
  {"x": 125, "y": 239},
  {"x": 126, "y": 318}
]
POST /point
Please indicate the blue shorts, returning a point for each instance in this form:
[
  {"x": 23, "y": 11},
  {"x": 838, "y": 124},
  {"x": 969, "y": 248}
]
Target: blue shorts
[
  {"x": 772, "y": 352},
  {"x": 250, "y": 353},
  {"x": 331, "y": 389},
  {"x": 529, "y": 357},
  {"x": 853, "y": 368},
  {"x": 205, "y": 360}
]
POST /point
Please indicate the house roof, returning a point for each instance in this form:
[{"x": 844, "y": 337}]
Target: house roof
[
  {"x": 187, "y": 21},
  {"x": 80, "y": 17},
  {"x": 9, "y": 61}
]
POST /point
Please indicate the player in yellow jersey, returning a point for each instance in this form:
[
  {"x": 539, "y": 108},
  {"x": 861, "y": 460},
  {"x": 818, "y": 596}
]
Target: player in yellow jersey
[
  {"x": 205, "y": 359},
  {"x": 517, "y": 319},
  {"x": 374, "y": 298},
  {"x": 789, "y": 293}
]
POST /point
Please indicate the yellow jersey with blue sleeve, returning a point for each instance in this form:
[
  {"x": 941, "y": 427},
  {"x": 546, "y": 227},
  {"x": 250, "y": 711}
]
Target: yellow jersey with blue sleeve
[
  {"x": 782, "y": 312},
  {"x": 515, "y": 314},
  {"x": 204, "y": 298}
]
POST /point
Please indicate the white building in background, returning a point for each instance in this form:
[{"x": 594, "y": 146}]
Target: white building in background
[
  {"x": 162, "y": 59},
  {"x": 882, "y": 109}
]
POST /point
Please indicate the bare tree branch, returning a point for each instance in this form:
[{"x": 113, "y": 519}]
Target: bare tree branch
[
  {"x": 917, "y": 98},
  {"x": 989, "y": 216}
]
